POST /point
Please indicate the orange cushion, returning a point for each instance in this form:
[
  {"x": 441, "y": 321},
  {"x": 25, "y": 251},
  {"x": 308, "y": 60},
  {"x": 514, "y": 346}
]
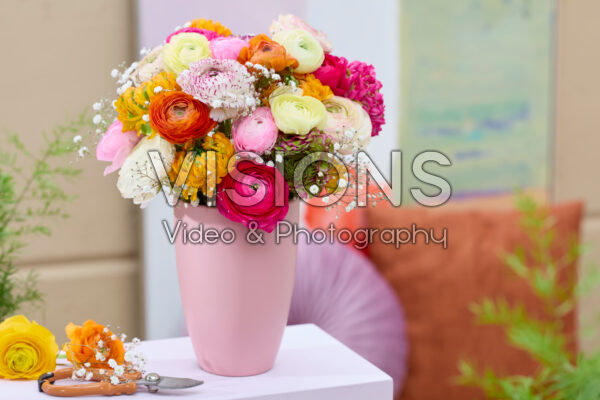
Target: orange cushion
[{"x": 437, "y": 285}]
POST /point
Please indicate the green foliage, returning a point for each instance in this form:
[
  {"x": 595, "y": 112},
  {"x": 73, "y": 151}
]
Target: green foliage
[
  {"x": 30, "y": 196},
  {"x": 559, "y": 375}
]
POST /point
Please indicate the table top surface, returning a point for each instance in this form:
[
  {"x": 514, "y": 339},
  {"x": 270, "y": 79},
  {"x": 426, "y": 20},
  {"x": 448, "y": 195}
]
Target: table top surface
[{"x": 311, "y": 365}]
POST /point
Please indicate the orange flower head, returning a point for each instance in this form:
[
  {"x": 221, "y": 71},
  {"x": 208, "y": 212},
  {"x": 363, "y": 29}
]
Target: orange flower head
[
  {"x": 210, "y": 25},
  {"x": 85, "y": 343},
  {"x": 311, "y": 86},
  {"x": 178, "y": 117},
  {"x": 262, "y": 50}
]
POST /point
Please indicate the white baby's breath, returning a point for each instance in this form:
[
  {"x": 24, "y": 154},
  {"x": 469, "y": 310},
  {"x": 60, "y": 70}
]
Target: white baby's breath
[{"x": 119, "y": 370}]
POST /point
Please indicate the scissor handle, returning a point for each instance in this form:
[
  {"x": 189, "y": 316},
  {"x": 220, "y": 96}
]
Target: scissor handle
[{"x": 46, "y": 385}]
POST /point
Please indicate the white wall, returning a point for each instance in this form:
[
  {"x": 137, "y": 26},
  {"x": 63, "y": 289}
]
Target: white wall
[{"x": 359, "y": 30}]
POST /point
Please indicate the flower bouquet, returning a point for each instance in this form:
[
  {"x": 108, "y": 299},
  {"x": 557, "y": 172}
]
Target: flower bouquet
[{"x": 246, "y": 123}]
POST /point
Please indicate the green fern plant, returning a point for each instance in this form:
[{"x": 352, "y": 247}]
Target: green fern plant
[
  {"x": 560, "y": 375},
  {"x": 30, "y": 197}
]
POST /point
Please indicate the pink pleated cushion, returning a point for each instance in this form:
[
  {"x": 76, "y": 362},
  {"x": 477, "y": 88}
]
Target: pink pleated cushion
[{"x": 338, "y": 289}]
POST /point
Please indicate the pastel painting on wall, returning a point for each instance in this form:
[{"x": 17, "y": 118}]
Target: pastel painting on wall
[{"x": 477, "y": 86}]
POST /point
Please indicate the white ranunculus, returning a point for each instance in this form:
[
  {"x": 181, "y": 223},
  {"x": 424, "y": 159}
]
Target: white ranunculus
[
  {"x": 137, "y": 178},
  {"x": 150, "y": 65},
  {"x": 303, "y": 47},
  {"x": 289, "y": 21},
  {"x": 347, "y": 124}
]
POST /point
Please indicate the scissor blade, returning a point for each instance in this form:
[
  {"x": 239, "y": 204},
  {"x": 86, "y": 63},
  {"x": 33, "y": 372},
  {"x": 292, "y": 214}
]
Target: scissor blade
[{"x": 167, "y": 382}]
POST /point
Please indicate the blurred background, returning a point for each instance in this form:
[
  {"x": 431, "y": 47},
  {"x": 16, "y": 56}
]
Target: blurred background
[{"x": 507, "y": 89}]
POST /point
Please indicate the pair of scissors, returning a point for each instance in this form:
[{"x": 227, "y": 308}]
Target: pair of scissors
[{"x": 152, "y": 381}]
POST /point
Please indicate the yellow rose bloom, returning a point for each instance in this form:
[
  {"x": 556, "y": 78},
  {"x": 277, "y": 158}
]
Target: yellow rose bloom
[
  {"x": 197, "y": 177},
  {"x": 303, "y": 47},
  {"x": 210, "y": 25},
  {"x": 184, "y": 49},
  {"x": 134, "y": 103},
  {"x": 297, "y": 114},
  {"x": 27, "y": 349}
]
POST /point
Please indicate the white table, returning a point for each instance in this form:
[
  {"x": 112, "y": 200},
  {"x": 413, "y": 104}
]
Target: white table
[{"x": 311, "y": 366}]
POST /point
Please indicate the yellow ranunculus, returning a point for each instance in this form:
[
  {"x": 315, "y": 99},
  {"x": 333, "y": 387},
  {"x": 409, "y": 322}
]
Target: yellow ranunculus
[
  {"x": 313, "y": 87},
  {"x": 211, "y": 25},
  {"x": 297, "y": 114},
  {"x": 303, "y": 47},
  {"x": 197, "y": 179},
  {"x": 134, "y": 103},
  {"x": 27, "y": 349},
  {"x": 184, "y": 49}
]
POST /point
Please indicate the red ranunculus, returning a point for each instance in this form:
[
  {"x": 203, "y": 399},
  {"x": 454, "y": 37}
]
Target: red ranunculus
[{"x": 249, "y": 194}]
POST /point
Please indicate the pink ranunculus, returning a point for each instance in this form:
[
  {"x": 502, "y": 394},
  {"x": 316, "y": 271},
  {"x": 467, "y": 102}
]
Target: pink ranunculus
[
  {"x": 250, "y": 194},
  {"x": 115, "y": 146},
  {"x": 227, "y": 47},
  {"x": 334, "y": 73},
  {"x": 210, "y": 35},
  {"x": 256, "y": 132},
  {"x": 290, "y": 21}
]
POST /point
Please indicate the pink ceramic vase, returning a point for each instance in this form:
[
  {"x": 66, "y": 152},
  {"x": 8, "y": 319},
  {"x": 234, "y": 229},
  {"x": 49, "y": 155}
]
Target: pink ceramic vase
[{"x": 236, "y": 297}]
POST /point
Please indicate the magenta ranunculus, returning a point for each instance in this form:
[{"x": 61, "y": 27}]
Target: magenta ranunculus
[
  {"x": 334, "y": 73},
  {"x": 256, "y": 132},
  {"x": 249, "y": 194},
  {"x": 366, "y": 89},
  {"x": 227, "y": 47},
  {"x": 210, "y": 35},
  {"x": 115, "y": 146}
]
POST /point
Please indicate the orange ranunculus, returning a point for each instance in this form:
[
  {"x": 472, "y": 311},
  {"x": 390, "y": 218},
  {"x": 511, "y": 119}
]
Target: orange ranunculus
[
  {"x": 210, "y": 25},
  {"x": 178, "y": 117},
  {"x": 311, "y": 86},
  {"x": 89, "y": 339},
  {"x": 262, "y": 50}
]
